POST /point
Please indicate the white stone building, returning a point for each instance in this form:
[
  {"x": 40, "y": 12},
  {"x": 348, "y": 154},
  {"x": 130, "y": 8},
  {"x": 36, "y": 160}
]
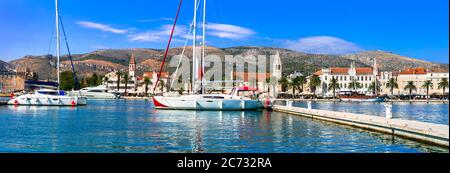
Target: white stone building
[{"x": 364, "y": 76}]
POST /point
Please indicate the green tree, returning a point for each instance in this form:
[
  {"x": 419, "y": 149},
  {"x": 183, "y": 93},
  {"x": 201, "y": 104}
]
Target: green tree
[
  {"x": 126, "y": 79},
  {"x": 354, "y": 85},
  {"x": 284, "y": 82},
  {"x": 161, "y": 84},
  {"x": 410, "y": 87},
  {"x": 334, "y": 85},
  {"x": 146, "y": 83},
  {"x": 427, "y": 85},
  {"x": 181, "y": 91},
  {"x": 443, "y": 84},
  {"x": 294, "y": 84},
  {"x": 118, "y": 75},
  {"x": 92, "y": 81},
  {"x": 391, "y": 84},
  {"x": 105, "y": 80},
  {"x": 67, "y": 81},
  {"x": 302, "y": 81},
  {"x": 373, "y": 87},
  {"x": 314, "y": 83}
]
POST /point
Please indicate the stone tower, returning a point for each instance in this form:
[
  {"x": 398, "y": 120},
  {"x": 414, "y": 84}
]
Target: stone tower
[
  {"x": 352, "y": 70},
  {"x": 132, "y": 70},
  {"x": 277, "y": 67}
]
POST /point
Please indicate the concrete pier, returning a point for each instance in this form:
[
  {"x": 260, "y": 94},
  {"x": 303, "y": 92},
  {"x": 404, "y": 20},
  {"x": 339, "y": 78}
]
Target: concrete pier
[{"x": 436, "y": 134}]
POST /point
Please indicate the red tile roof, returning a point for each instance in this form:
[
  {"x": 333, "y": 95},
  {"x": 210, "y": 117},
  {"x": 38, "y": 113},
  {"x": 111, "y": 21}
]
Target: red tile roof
[
  {"x": 341, "y": 70},
  {"x": 164, "y": 75},
  {"x": 409, "y": 71}
]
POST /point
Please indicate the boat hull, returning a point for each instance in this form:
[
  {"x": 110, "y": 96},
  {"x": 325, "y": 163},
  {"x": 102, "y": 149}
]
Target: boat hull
[
  {"x": 42, "y": 100},
  {"x": 95, "y": 96},
  {"x": 179, "y": 103}
]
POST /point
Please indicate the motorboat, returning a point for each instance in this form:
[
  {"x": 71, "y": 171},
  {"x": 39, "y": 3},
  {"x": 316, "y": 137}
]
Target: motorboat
[{"x": 98, "y": 92}]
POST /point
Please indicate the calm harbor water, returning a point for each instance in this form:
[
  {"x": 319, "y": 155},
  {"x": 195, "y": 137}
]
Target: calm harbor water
[
  {"x": 133, "y": 126},
  {"x": 420, "y": 111}
]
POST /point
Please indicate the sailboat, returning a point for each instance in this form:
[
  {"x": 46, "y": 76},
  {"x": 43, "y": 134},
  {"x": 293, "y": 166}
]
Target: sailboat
[
  {"x": 239, "y": 99},
  {"x": 50, "y": 97}
]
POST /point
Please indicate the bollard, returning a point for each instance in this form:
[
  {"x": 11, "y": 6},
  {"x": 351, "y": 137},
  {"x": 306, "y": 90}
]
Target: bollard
[
  {"x": 388, "y": 107},
  {"x": 288, "y": 103},
  {"x": 309, "y": 105}
]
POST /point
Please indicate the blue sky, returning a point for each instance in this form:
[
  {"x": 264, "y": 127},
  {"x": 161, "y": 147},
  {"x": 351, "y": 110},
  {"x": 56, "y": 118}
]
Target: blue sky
[{"x": 413, "y": 28}]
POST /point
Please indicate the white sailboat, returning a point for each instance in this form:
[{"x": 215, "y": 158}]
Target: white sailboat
[
  {"x": 239, "y": 99},
  {"x": 49, "y": 97}
]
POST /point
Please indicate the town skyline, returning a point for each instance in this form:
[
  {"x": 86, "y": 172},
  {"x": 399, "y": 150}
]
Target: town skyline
[{"x": 322, "y": 27}]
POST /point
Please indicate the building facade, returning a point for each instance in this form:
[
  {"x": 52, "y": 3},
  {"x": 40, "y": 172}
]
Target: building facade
[
  {"x": 363, "y": 76},
  {"x": 419, "y": 76},
  {"x": 132, "y": 83}
]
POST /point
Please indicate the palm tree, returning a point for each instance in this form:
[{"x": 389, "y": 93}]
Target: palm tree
[
  {"x": 314, "y": 83},
  {"x": 427, "y": 85},
  {"x": 161, "y": 84},
  {"x": 284, "y": 82},
  {"x": 333, "y": 86},
  {"x": 354, "y": 85},
  {"x": 146, "y": 83},
  {"x": 392, "y": 83},
  {"x": 410, "y": 87},
  {"x": 374, "y": 87},
  {"x": 302, "y": 81},
  {"x": 443, "y": 85},
  {"x": 106, "y": 79},
  {"x": 294, "y": 84},
  {"x": 118, "y": 74},
  {"x": 126, "y": 78}
]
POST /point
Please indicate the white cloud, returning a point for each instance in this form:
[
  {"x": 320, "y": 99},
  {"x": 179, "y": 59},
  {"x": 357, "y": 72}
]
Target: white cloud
[
  {"x": 228, "y": 31},
  {"x": 101, "y": 27},
  {"x": 323, "y": 45},
  {"x": 162, "y": 33},
  {"x": 159, "y": 35}
]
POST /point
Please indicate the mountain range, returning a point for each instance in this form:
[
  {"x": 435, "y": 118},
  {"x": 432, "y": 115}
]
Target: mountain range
[{"x": 104, "y": 61}]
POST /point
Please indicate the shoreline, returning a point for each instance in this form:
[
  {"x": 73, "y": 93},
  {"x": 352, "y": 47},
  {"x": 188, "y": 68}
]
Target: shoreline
[{"x": 391, "y": 101}]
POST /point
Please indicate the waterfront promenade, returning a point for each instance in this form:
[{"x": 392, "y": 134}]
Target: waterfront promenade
[{"x": 437, "y": 134}]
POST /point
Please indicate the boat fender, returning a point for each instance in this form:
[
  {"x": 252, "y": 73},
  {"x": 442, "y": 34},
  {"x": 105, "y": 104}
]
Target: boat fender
[
  {"x": 73, "y": 103},
  {"x": 16, "y": 102}
]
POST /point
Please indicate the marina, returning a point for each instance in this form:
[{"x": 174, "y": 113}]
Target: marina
[
  {"x": 155, "y": 81},
  {"x": 135, "y": 126}
]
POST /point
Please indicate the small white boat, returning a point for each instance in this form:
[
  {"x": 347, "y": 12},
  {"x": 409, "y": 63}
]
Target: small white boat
[
  {"x": 99, "y": 92},
  {"x": 240, "y": 99},
  {"x": 48, "y": 97}
]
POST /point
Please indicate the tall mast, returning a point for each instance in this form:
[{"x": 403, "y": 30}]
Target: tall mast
[
  {"x": 194, "y": 58},
  {"x": 57, "y": 41},
  {"x": 203, "y": 45}
]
